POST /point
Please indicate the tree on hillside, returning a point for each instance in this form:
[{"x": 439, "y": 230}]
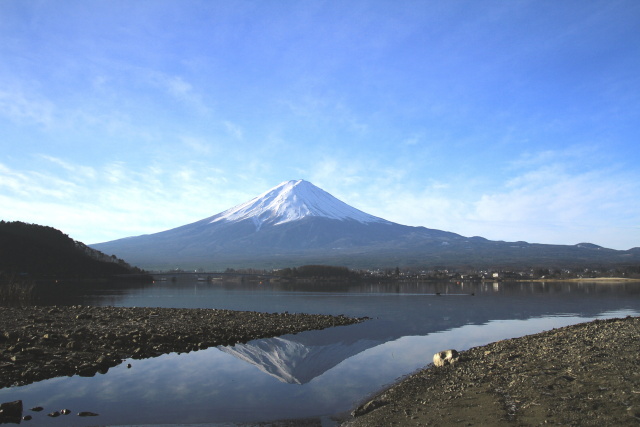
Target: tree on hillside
[{"x": 38, "y": 250}]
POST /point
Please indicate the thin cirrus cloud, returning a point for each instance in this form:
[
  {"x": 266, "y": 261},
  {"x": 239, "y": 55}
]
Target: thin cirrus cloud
[
  {"x": 181, "y": 90},
  {"x": 513, "y": 121},
  {"x": 114, "y": 201},
  {"x": 551, "y": 204},
  {"x": 23, "y": 106},
  {"x": 545, "y": 204},
  {"x": 547, "y": 198}
]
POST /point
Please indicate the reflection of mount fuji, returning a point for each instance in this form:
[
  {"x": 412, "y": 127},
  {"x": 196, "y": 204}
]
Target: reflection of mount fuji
[{"x": 298, "y": 359}]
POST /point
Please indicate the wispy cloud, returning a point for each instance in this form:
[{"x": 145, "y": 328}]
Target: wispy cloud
[
  {"x": 316, "y": 106},
  {"x": 414, "y": 139},
  {"x": 78, "y": 170},
  {"x": 182, "y": 90},
  {"x": 549, "y": 198},
  {"x": 233, "y": 129},
  {"x": 23, "y": 106},
  {"x": 335, "y": 173},
  {"x": 33, "y": 185},
  {"x": 196, "y": 144},
  {"x": 487, "y": 119},
  {"x": 555, "y": 200},
  {"x": 29, "y": 106},
  {"x": 114, "y": 201}
]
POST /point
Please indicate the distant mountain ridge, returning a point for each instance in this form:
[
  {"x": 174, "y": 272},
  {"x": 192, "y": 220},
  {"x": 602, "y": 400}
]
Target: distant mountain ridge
[{"x": 297, "y": 223}]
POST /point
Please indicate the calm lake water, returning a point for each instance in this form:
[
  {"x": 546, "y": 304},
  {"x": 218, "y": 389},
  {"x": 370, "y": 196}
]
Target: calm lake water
[{"x": 315, "y": 374}]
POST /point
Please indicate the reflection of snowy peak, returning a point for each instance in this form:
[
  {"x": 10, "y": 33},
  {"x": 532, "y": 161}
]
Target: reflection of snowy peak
[
  {"x": 276, "y": 356},
  {"x": 295, "y": 362},
  {"x": 292, "y": 201}
]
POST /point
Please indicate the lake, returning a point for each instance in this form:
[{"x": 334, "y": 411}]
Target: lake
[{"x": 315, "y": 374}]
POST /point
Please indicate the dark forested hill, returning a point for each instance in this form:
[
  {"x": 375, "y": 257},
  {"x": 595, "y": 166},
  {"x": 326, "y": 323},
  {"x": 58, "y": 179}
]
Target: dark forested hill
[{"x": 45, "y": 252}]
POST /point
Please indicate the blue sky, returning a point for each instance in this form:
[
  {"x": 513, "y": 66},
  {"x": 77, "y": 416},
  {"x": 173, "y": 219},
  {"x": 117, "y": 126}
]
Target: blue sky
[{"x": 512, "y": 120}]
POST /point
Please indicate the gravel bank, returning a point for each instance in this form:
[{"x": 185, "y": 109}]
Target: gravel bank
[
  {"x": 580, "y": 375},
  {"x": 37, "y": 343}
]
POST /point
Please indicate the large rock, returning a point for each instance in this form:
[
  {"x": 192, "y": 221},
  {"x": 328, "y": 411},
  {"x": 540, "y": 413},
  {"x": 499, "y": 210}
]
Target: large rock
[
  {"x": 446, "y": 357},
  {"x": 11, "y": 412}
]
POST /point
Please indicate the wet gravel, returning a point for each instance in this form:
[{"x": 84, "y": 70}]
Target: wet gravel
[
  {"x": 581, "y": 375},
  {"x": 38, "y": 343}
]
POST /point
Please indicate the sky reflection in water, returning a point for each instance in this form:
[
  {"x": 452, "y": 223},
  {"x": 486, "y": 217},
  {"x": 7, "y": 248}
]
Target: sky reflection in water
[{"x": 315, "y": 373}]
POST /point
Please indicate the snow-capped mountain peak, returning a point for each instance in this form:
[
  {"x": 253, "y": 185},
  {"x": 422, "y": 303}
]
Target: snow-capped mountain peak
[{"x": 292, "y": 201}]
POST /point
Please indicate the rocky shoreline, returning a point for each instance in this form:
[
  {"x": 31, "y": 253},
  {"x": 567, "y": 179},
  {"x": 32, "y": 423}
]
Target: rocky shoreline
[
  {"x": 580, "y": 375},
  {"x": 38, "y": 343}
]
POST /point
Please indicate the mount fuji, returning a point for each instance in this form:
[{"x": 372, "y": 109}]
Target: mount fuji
[
  {"x": 297, "y": 223},
  {"x": 293, "y": 201}
]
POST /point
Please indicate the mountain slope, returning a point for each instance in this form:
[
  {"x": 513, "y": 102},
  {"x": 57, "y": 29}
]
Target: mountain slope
[
  {"x": 41, "y": 251},
  {"x": 293, "y": 201},
  {"x": 297, "y": 223}
]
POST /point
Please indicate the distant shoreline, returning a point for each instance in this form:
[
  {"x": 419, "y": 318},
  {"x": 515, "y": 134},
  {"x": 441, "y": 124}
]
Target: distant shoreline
[
  {"x": 605, "y": 279},
  {"x": 594, "y": 279}
]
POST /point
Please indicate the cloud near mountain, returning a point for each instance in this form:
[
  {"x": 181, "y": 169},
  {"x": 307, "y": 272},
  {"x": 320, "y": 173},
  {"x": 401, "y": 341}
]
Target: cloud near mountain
[{"x": 297, "y": 223}]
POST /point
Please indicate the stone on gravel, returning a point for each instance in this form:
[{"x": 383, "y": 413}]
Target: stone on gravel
[{"x": 446, "y": 357}]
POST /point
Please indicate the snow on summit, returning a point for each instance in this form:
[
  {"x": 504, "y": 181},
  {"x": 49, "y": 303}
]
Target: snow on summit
[{"x": 292, "y": 201}]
